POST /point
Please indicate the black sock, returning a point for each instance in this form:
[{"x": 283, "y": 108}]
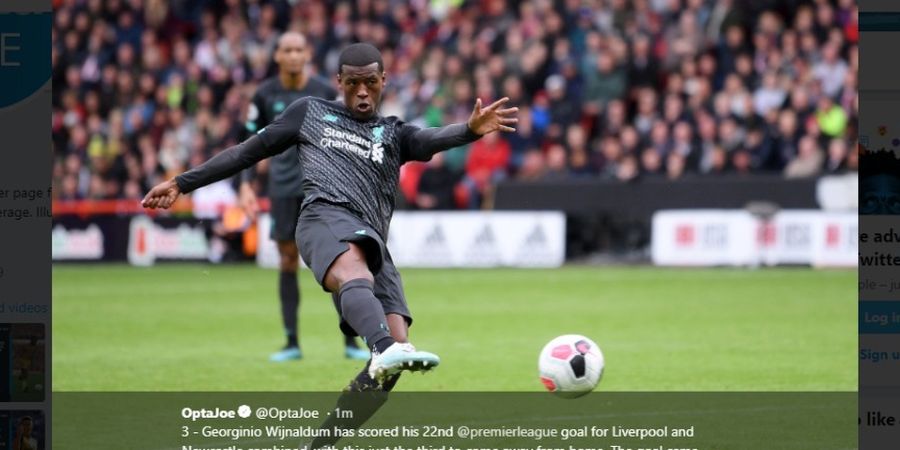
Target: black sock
[
  {"x": 382, "y": 344},
  {"x": 289, "y": 293},
  {"x": 349, "y": 341},
  {"x": 364, "y": 313}
]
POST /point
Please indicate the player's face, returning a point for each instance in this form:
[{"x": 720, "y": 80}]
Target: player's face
[
  {"x": 291, "y": 54},
  {"x": 362, "y": 86}
]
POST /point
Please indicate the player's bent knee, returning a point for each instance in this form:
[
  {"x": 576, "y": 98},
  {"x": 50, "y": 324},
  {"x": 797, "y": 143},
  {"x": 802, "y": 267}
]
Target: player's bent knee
[{"x": 350, "y": 265}]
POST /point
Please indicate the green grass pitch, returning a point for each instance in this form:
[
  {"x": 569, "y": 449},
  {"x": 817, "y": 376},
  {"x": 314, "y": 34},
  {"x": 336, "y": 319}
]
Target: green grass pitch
[{"x": 187, "y": 327}]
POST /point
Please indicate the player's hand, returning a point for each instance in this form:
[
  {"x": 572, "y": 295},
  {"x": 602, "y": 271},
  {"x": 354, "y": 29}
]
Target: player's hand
[
  {"x": 493, "y": 117},
  {"x": 163, "y": 195},
  {"x": 247, "y": 200}
]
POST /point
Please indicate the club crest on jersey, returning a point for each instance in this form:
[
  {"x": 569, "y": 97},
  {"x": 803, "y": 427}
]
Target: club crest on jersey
[{"x": 377, "y": 133}]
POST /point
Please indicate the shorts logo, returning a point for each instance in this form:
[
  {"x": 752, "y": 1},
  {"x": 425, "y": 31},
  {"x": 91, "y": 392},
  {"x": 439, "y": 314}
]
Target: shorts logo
[
  {"x": 360, "y": 232},
  {"x": 279, "y": 106}
]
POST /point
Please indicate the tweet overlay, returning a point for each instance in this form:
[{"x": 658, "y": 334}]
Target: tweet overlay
[{"x": 456, "y": 421}]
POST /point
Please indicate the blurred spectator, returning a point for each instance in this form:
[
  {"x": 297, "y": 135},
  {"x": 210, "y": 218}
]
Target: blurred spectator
[
  {"x": 837, "y": 156},
  {"x": 741, "y": 162},
  {"x": 485, "y": 165},
  {"x": 556, "y": 163},
  {"x": 437, "y": 184},
  {"x": 831, "y": 118},
  {"x": 808, "y": 162},
  {"x": 831, "y": 70},
  {"x": 651, "y": 162},
  {"x": 532, "y": 167}
]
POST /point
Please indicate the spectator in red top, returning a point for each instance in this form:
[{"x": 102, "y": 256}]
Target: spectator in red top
[{"x": 485, "y": 165}]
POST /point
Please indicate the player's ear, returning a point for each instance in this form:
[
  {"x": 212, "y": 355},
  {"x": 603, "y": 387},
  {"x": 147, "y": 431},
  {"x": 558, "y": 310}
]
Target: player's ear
[{"x": 383, "y": 79}]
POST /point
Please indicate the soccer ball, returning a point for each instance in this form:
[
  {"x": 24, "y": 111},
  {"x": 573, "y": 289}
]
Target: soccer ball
[{"x": 570, "y": 365}]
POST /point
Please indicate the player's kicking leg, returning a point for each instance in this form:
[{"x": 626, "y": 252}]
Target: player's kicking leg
[{"x": 349, "y": 275}]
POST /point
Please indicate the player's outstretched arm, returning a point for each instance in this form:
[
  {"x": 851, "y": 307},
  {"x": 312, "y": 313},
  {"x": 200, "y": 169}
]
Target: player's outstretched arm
[
  {"x": 221, "y": 166},
  {"x": 421, "y": 144}
]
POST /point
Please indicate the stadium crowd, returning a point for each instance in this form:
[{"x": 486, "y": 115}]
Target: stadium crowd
[{"x": 144, "y": 89}]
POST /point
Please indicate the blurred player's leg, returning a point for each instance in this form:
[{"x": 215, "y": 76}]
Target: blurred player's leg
[{"x": 289, "y": 295}]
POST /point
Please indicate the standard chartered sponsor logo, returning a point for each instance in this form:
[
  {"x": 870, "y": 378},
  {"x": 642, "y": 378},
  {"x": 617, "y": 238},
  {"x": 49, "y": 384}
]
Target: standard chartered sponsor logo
[
  {"x": 344, "y": 145},
  {"x": 338, "y": 134},
  {"x": 353, "y": 143}
]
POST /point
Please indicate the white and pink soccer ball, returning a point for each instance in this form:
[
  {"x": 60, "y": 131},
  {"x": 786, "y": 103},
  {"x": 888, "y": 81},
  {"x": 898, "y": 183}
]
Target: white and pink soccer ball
[{"x": 570, "y": 365}]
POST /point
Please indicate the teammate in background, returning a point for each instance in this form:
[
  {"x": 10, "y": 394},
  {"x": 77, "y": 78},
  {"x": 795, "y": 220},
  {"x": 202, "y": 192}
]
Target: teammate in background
[
  {"x": 285, "y": 181},
  {"x": 351, "y": 159}
]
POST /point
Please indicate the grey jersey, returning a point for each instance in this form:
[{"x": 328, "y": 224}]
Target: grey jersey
[
  {"x": 346, "y": 161},
  {"x": 269, "y": 101}
]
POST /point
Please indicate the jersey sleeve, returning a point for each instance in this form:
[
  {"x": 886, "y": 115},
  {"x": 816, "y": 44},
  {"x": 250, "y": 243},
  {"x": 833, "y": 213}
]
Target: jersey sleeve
[
  {"x": 279, "y": 136},
  {"x": 420, "y": 144}
]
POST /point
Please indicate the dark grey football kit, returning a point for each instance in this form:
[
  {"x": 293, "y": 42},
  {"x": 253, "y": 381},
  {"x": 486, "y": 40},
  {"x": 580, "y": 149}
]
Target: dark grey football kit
[
  {"x": 285, "y": 185},
  {"x": 351, "y": 168}
]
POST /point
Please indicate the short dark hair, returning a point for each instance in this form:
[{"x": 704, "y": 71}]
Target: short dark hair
[{"x": 359, "y": 55}]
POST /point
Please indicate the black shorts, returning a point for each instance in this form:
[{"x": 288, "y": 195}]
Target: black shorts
[
  {"x": 284, "y": 214},
  {"x": 323, "y": 233}
]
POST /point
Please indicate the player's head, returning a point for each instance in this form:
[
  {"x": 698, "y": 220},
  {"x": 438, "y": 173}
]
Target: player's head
[
  {"x": 361, "y": 77},
  {"x": 291, "y": 53}
]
